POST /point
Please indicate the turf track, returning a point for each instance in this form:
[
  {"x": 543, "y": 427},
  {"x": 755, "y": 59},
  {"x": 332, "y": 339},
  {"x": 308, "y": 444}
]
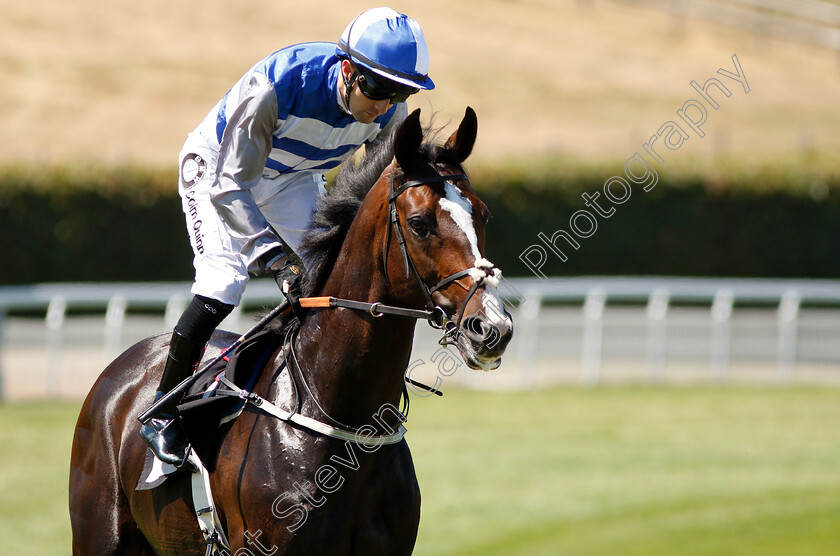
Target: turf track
[{"x": 630, "y": 471}]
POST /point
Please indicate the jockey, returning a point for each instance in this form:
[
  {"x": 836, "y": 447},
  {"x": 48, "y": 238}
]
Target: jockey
[{"x": 252, "y": 171}]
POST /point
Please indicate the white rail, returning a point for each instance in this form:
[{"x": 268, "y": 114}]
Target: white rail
[{"x": 530, "y": 299}]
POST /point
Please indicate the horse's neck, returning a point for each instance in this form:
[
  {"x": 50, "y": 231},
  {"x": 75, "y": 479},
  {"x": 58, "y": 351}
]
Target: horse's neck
[
  {"x": 352, "y": 365},
  {"x": 353, "y": 361}
]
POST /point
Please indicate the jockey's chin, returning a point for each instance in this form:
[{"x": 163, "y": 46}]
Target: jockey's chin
[{"x": 366, "y": 110}]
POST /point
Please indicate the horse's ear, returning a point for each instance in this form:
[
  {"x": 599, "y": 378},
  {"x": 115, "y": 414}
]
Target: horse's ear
[
  {"x": 461, "y": 142},
  {"x": 409, "y": 136}
]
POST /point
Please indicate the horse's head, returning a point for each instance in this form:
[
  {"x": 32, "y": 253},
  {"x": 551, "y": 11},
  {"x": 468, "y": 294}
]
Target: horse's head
[{"x": 435, "y": 243}]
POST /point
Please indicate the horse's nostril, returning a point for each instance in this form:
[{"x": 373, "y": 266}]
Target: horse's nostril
[
  {"x": 485, "y": 335},
  {"x": 477, "y": 329}
]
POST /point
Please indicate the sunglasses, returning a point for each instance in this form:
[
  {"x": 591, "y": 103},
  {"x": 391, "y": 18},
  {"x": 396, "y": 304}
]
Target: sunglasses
[{"x": 376, "y": 88}]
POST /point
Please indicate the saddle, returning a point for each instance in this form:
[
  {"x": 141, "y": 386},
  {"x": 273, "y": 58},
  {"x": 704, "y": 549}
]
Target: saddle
[{"x": 208, "y": 408}]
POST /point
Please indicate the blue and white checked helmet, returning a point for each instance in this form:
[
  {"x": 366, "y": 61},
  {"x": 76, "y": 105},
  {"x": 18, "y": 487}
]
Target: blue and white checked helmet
[{"x": 390, "y": 44}]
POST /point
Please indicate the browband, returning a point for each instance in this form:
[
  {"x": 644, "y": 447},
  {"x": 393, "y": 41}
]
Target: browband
[{"x": 425, "y": 181}]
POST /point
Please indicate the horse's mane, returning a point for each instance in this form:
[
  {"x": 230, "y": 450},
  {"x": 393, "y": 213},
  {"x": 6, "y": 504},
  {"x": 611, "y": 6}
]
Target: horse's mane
[{"x": 335, "y": 212}]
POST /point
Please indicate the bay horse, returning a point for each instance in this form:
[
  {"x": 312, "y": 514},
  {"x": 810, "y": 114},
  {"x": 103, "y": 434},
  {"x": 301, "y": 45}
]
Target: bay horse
[{"x": 402, "y": 228}]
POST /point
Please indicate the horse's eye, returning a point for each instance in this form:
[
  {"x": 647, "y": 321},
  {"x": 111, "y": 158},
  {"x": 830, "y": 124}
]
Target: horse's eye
[{"x": 418, "y": 225}]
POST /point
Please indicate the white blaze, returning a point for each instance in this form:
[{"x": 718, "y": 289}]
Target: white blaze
[{"x": 460, "y": 210}]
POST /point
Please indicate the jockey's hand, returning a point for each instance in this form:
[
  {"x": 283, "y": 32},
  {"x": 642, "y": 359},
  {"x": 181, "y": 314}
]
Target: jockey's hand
[{"x": 288, "y": 279}]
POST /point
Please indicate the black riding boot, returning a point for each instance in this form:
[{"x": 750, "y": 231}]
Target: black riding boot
[{"x": 163, "y": 432}]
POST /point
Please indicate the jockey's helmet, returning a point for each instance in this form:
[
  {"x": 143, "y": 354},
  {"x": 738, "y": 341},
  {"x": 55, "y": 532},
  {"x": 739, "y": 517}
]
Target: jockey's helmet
[{"x": 390, "y": 45}]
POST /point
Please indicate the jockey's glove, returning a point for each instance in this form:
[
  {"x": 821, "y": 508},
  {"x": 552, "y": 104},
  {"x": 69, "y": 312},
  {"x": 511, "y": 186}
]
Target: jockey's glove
[{"x": 288, "y": 279}]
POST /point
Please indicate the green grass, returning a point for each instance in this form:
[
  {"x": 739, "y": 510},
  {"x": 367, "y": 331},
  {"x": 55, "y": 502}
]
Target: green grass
[
  {"x": 630, "y": 471},
  {"x": 605, "y": 471},
  {"x": 35, "y": 441}
]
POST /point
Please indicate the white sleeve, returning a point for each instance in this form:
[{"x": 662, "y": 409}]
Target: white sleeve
[{"x": 245, "y": 146}]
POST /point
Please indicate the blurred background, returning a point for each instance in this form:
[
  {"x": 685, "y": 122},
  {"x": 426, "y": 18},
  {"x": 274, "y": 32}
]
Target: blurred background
[{"x": 672, "y": 385}]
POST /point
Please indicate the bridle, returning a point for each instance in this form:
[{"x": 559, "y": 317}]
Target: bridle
[{"x": 482, "y": 272}]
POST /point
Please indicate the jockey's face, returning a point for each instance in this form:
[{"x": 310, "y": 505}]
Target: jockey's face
[{"x": 365, "y": 110}]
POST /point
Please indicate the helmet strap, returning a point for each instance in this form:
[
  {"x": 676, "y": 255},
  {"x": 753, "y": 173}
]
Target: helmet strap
[{"x": 348, "y": 86}]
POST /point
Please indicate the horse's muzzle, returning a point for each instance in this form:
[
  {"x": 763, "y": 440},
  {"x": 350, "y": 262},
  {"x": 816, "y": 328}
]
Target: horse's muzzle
[{"x": 483, "y": 338}]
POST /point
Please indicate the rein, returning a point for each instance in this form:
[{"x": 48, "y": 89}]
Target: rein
[{"x": 375, "y": 309}]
